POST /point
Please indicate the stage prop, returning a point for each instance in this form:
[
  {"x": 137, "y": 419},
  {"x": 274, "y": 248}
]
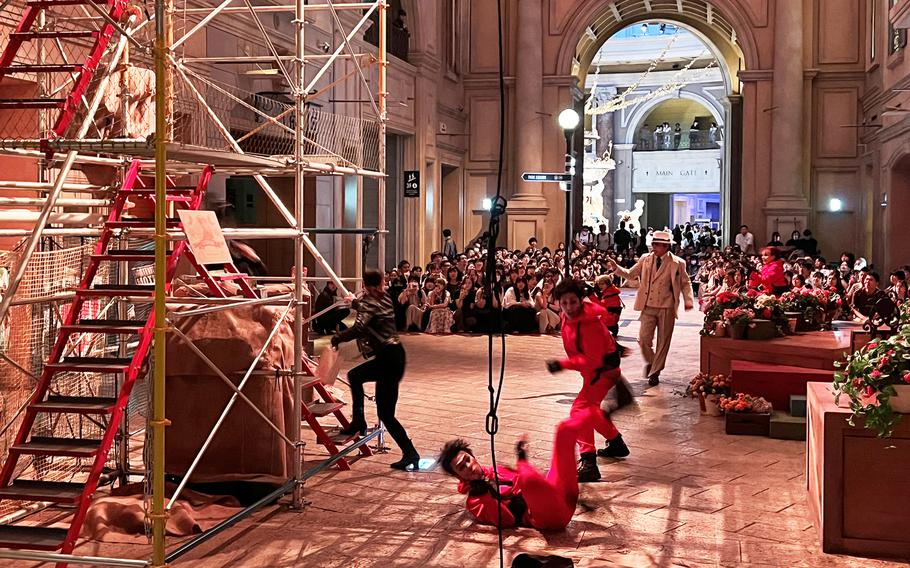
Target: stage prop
[
  {"x": 245, "y": 448},
  {"x": 858, "y": 486},
  {"x": 774, "y": 383},
  {"x": 813, "y": 350}
]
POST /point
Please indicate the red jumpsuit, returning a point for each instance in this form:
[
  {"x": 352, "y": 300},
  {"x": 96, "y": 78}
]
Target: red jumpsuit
[
  {"x": 588, "y": 343},
  {"x": 550, "y": 499},
  {"x": 610, "y": 300}
]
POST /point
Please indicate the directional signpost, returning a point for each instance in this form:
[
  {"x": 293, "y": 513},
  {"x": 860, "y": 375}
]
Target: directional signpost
[{"x": 547, "y": 177}]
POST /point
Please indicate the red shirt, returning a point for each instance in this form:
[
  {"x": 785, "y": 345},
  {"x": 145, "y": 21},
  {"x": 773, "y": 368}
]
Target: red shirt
[
  {"x": 609, "y": 299},
  {"x": 587, "y": 340}
]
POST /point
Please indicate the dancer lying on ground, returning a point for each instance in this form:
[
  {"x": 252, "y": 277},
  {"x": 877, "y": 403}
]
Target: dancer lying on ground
[
  {"x": 592, "y": 352},
  {"x": 529, "y": 498}
]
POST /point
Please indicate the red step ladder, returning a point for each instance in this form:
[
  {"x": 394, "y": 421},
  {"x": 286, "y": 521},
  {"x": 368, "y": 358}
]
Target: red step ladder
[
  {"x": 107, "y": 411},
  {"x": 324, "y": 405},
  {"x": 81, "y": 71}
]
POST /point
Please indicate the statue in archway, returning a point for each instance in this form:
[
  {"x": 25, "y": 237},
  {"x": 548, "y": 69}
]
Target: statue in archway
[{"x": 633, "y": 217}]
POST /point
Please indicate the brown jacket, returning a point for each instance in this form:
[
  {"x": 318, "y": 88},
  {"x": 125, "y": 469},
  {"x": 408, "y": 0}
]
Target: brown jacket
[{"x": 644, "y": 270}]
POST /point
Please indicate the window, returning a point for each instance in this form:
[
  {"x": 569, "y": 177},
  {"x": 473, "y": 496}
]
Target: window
[
  {"x": 451, "y": 35},
  {"x": 897, "y": 39}
]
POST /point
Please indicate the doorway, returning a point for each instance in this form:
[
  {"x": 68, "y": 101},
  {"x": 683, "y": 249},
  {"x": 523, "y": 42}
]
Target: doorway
[{"x": 453, "y": 203}]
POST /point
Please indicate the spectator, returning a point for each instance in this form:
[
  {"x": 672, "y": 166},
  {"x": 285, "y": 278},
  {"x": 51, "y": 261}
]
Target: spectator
[
  {"x": 331, "y": 321},
  {"x": 520, "y": 315},
  {"x": 448, "y": 246},
  {"x": 795, "y": 240},
  {"x": 603, "y": 239},
  {"x": 771, "y": 279},
  {"x": 809, "y": 244},
  {"x": 865, "y": 299},
  {"x": 547, "y": 308},
  {"x": 775, "y": 240},
  {"x": 465, "y": 319},
  {"x": 414, "y": 301},
  {"x": 745, "y": 240},
  {"x": 441, "y": 318},
  {"x": 622, "y": 238},
  {"x": 897, "y": 291},
  {"x": 607, "y": 294}
]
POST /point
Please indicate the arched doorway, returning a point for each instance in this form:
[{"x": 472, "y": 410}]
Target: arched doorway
[{"x": 731, "y": 48}]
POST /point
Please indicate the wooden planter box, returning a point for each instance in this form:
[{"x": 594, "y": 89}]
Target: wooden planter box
[
  {"x": 748, "y": 424},
  {"x": 762, "y": 329}
]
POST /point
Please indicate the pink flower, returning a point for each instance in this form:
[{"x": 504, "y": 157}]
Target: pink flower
[
  {"x": 884, "y": 361},
  {"x": 907, "y": 377},
  {"x": 876, "y": 374},
  {"x": 872, "y": 345},
  {"x": 869, "y": 397}
]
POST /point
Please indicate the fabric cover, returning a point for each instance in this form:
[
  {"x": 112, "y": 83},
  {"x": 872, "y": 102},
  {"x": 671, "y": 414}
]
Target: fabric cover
[{"x": 245, "y": 448}]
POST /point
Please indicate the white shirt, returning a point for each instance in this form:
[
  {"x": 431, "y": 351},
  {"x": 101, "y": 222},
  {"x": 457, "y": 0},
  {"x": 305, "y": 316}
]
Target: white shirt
[
  {"x": 603, "y": 241},
  {"x": 745, "y": 242}
]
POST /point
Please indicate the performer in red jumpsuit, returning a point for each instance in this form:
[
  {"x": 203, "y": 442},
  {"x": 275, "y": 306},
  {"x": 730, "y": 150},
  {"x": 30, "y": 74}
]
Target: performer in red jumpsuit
[
  {"x": 527, "y": 497},
  {"x": 771, "y": 279},
  {"x": 607, "y": 296},
  {"x": 591, "y": 351}
]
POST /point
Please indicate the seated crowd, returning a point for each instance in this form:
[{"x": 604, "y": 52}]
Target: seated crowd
[{"x": 448, "y": 295}]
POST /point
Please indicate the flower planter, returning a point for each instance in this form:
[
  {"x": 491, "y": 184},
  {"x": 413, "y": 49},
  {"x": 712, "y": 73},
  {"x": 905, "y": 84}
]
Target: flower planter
[
  {"x": 720, "y": 329},
  {"x": 762, "y": 329},
  {"x": 738, "y": 330},
  {"x": 901, "y": 402},
  {"x": 748, "y": 423},
  {"x": 793, "y": 318},
  {"x": 712, "y": 405}
]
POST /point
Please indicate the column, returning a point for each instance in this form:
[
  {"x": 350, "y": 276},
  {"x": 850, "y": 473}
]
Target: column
[
  {"x": 527, "y": 210},
  {"x": 528, "y": 99},
  {"x": 787, "y": 206}
]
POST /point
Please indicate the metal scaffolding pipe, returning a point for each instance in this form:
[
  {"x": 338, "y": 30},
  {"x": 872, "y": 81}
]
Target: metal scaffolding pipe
[
  {"x": 42, "y": 220},
  {"x": 71, "y": 559},
  {"x": 64, "y": 202},
  {"x": 43, "y": 186},
  {"x": 226, "y": 411},
  {"x": 285, "y": 8}
]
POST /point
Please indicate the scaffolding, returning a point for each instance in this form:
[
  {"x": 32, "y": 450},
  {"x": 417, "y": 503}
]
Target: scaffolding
[{"x": 154, "y": 97}]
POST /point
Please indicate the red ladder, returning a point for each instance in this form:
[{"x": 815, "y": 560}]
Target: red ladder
[
  {"x": 325, "y": 405},
  {"x": 82, "y": 71},
  {"x": 44, "y": 401}
]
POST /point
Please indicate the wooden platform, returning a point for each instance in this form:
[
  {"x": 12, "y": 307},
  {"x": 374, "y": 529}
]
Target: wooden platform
[
  {"x": 775, "y": 383},
  {"x": 813, "y": 350},
  {"x": 858, "y": 485}
]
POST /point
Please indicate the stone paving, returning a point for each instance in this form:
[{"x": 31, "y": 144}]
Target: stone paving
[{"x": 689, "y": 495}]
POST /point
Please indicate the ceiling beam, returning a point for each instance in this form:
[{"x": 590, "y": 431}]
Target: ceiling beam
[
  {"x": 647, "y": 5},
  {"x": 615, "y": 11},
  {"x": 710, "y": 14},
  {"x": 679, "y": 6}
]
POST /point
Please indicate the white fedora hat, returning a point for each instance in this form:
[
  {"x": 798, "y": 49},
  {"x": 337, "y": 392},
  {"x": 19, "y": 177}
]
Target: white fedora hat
[{"x": 661, "y": 237}]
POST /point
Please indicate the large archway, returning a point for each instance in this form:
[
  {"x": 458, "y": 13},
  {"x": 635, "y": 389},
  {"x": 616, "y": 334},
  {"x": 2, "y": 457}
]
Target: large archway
[{"x": 722, "y": 29}]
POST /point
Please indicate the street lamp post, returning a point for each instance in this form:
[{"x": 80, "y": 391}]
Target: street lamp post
[{"x": 568, "y": 121}]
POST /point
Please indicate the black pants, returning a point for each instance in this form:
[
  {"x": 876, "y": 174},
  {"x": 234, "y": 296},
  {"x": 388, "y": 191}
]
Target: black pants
[
  {"x": 327, "y": 322},
  {"x": 386, "y": 369}
]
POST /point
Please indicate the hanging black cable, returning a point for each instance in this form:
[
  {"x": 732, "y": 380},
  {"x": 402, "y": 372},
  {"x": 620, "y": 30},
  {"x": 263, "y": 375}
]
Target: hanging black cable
[{"x": 497, "y": 209}]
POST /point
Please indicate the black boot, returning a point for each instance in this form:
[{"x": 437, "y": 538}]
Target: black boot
[
  {"x": 357, "y": 426},
  {"x": 616, "y": 448},
  {"x": 654, "y": 380},
  {"x": 410, "y": 461},
  {"x": 587, "y": 468}
]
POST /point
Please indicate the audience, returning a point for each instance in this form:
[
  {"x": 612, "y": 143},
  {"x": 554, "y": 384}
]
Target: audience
[{"x": 447, "y": 294}]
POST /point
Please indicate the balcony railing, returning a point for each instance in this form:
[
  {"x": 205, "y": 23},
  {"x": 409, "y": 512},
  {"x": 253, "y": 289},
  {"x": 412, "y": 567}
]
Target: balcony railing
[{"x": 692, "y": 140}]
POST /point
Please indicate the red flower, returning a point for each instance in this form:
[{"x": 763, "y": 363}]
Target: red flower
[
  {"x": 868, "y": 391},
  {"x": 872, "y": 345},
  {"x": 907, "y": 377},
  {"x": 884, "y": 361},
  {"x": 876, "y": 374}
]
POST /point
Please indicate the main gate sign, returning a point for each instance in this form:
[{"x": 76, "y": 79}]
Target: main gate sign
[{"x": 680, "y": 171}]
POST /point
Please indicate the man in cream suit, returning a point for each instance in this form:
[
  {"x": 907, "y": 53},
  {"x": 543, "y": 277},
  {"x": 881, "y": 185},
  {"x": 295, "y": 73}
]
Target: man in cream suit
[{"x": 663, "y": 279}]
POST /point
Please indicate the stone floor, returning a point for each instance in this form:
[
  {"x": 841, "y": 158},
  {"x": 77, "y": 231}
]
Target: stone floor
[{"x": 689, "y": 495}]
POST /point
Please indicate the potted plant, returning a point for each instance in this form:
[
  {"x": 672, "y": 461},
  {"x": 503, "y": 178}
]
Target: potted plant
[
  {"x": 808, "y": 304},
  {"x": 708, "y": 389},
  {"x": 769, "y": 319},
  {"x": 746, "y": 415},
  {"x": 876, "y": 380},
  {"x": 738, "y": 320},
  {"x": 714, "y": 312}
]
